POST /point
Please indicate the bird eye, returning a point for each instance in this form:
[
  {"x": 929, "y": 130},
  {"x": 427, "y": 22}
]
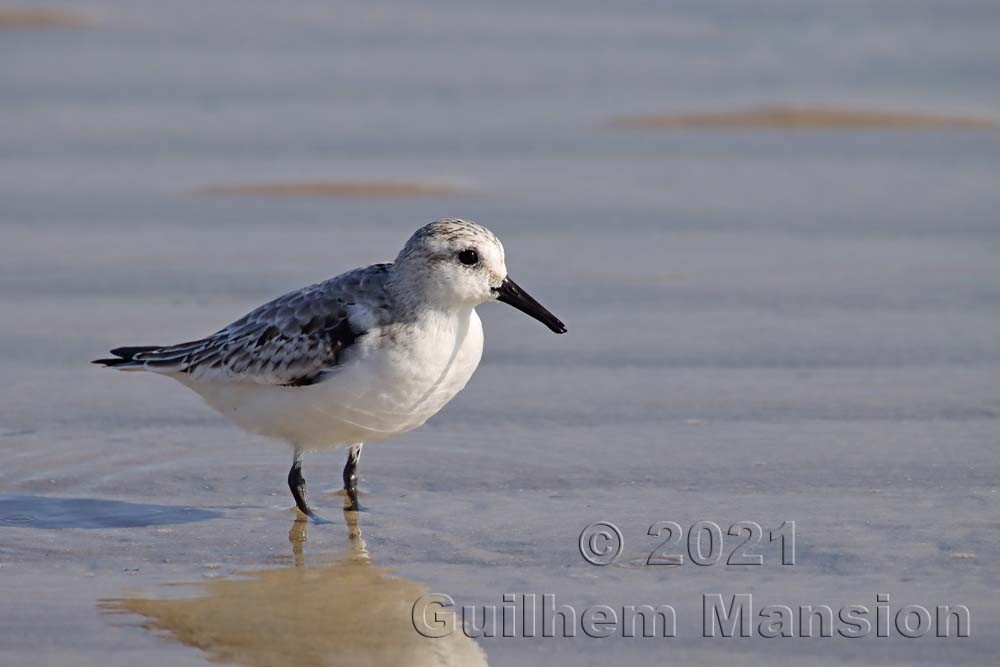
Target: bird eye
[{"x": 468, "y": 257}]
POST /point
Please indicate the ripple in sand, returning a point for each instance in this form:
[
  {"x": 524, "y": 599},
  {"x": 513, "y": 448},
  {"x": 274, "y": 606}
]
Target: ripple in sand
[
  {"x": 767, "y": 118},
  {"x": 14, "y": 18},
  {"x": 331, "y": 189}
]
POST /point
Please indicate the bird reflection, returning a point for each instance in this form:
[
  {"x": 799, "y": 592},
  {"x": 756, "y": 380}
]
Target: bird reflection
[{"x": 347, "y": 612}]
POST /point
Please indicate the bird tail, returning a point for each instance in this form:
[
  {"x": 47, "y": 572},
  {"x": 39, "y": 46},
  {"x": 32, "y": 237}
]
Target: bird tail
[{"x": 125, "y": 357}]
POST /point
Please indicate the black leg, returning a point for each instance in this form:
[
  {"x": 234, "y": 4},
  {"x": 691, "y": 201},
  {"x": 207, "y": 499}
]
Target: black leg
[
  {"x": 297, "y": 483},
  {"x": 351, "y": 476}
]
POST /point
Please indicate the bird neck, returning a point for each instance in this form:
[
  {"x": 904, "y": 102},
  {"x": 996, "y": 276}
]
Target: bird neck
[{"x": 414, "y": 292}]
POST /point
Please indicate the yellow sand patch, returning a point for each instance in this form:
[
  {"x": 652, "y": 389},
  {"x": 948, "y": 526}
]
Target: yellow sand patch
[
  {"x": 331, "y": 189},
  {"x": 806, "y": 118},
  {"x": 40, "y": 18}
]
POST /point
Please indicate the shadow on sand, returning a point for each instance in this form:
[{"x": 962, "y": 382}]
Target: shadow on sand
[{"x": 59, "y": 513}]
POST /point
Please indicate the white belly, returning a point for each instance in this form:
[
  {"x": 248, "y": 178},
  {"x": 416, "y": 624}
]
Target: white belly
[{"x": 394, "y": 381}]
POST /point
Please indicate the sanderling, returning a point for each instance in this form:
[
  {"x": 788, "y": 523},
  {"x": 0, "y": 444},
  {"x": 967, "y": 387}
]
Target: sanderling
[{"x": 364, "y": 356}]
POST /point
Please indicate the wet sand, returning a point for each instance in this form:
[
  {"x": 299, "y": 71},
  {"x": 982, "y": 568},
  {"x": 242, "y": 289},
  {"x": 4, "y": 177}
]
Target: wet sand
[
  {"x": 327, "y": 189},
  {"x": 819, "y": 118},
  {"x": 763, "y": 326},
  {"x": 333, "y": 610}
]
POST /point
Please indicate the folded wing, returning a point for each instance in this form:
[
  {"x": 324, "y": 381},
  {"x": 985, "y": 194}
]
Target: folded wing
[{"x": 293, "y": 341}]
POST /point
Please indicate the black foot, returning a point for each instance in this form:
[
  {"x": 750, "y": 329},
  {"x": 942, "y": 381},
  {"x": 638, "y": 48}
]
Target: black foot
[
  {"x": 351, "y": 478},
  {"x": 297, "y": 483}
]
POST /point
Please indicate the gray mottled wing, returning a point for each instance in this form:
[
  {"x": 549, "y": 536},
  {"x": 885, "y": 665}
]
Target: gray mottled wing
[{"x": 293, "y": 340}]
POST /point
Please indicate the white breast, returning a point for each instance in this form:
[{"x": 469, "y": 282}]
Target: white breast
[{"x": 394, "y": 380}]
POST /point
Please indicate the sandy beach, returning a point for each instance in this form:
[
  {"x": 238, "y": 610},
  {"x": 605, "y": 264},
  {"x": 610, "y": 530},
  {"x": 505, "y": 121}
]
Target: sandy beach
[{"x": 764, "y": 326}]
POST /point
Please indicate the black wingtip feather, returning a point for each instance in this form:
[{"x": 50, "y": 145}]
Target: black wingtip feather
[
  {"x": 126, "y": 355},
  {"x": 111, "y": 363}
]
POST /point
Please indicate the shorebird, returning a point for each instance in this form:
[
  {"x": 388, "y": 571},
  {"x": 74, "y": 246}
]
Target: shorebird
[{"x": 361, "y": 357}]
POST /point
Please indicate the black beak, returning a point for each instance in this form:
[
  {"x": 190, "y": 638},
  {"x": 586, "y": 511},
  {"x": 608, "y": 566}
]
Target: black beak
[{"x": 511, "y": 294}]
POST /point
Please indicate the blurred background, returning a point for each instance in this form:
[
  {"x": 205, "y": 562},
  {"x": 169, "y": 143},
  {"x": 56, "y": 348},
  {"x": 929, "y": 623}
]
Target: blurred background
[{"x": 771, "y": 228}]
